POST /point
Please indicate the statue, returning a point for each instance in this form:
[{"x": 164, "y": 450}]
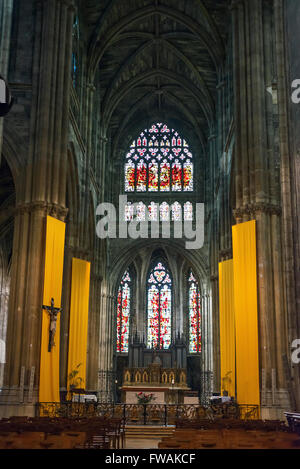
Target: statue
[{"x": 53, "y": 313}]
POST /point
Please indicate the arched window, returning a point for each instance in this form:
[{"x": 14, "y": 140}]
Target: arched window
[
  {"x": 75, "y": 52},
  {"x": 159, "y": 212},
  {"x": 159, "y": 160},
  {"x": 123, "y": 313},
  {"x": 159, "y": 307},
  {"x": 194, "y": 315}
]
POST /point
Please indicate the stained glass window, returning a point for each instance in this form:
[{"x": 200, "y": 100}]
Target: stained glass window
[
  {"x": 163, "y": 211},
  {"x": 176, "y": 176},
  {"x": 74, "y": 68},
  {"x": 141, "y": 212},
  {"x": 159, "y": 306},
  {"x": 153, "y": 176},
  {"x": 129, "y": 211},
  {"x": 163, "y": 162},
  {"x": 194, "y": 315},
  {"x": 123, "y": 313},
  {"x": 165, "y": 176},
  {"x": 176, "y": 212},
  {"x": 188, "y": 176},
  {"x": 153, "y": 211},
  {"x": 141, "y": 177},
  {"x": 129, "y": 177},
  {"x": 188, "y": 211},
  {"x": 75, "y": 53}
]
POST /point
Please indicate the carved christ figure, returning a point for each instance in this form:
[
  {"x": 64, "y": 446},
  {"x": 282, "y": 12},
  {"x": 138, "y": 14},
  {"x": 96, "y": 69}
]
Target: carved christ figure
[{"x": 53, "y": 313}]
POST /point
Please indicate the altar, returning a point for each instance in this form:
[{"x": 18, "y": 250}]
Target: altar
[{"x": 168, "y": 385}]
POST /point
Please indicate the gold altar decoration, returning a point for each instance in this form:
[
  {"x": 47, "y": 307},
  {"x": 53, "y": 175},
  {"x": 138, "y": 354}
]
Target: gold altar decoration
[{"x": 154, "y": 374}]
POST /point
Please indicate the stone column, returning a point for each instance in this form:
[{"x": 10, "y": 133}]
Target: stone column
[
  {"x": 94, "y": 332},
  {"x": 288, "y": 184},
  {"x": 44, "y": 191},
  {"x": 6, "y": 10},
  {"x": 84, "y": 231},
  {"x": 256, "y": 196},
  {"x": 106, "y": 336},
  {"x": 102, "y": 174},
  {"x": 214, "y": 256}
]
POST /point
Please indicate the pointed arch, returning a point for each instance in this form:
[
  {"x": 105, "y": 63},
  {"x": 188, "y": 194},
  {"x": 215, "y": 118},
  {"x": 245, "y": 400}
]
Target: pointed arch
[
  {"x": 124, "y": 299},
  {"x": 159, "y": 305},
  {"x": 194, "y": 313}
]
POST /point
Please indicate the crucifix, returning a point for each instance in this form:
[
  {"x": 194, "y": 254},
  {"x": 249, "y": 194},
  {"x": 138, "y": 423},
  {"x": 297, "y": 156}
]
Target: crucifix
[{"x": 53, "y": 312}]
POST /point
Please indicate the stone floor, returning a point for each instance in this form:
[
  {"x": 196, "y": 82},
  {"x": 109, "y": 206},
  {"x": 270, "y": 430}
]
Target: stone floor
[{"x": 141, "y": 443}]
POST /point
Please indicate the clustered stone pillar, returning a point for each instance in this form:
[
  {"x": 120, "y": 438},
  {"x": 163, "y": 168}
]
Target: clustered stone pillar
[
  {"x": 94, "y": 332},
  {"x": 256, "y": 195},
  {"x": 6, "y": 10},
  {"x": 208, "y": 354},
  {"x": 289, "y": 213},
  {"x": 44, "y": 194},
  {"x": 214, "y": 259}
]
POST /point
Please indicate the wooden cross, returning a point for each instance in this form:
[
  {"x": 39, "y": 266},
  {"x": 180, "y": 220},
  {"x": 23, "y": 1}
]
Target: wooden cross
[{"x": 53, "y": 313}]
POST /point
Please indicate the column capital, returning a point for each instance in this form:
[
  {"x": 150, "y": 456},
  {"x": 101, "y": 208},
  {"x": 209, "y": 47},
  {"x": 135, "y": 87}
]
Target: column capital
[
  {"x": 80, "y": 253},
  {"x": 225, "y": 254},
  {"x": 57, "y": 211},
  {"x": 96, "y": 277},
  {"x": 213, "y": 278},
  {"x": 258, "y": 208}
]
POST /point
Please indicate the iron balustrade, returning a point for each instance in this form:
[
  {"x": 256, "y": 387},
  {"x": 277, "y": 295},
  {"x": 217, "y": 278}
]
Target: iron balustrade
[{"x": 148, "y": 414}]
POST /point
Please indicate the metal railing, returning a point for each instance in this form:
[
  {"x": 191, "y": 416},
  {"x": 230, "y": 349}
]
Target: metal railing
[{"x": 148, "y": 414}]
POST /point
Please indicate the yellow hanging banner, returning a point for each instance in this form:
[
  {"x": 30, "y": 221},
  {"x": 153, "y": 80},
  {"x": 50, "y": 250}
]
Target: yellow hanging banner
[
  {"x": 54, "y": 261},
  {"x": 246, "y": 311},
  {"x": 227, "y": 327},
  {"x": 78, "y": 329}
]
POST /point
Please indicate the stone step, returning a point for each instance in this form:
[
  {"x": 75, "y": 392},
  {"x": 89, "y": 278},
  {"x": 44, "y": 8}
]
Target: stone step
[{"x": 146, "y": 431}]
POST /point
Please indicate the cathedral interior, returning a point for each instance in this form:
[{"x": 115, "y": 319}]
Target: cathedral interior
[{"x": 183, "y": 107}]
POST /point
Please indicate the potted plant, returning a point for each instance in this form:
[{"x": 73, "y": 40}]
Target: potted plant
[
  {"x": 226, "y": 380},
  {"x": 144, "y": 398},
  {"x": 75, "y": 381}
]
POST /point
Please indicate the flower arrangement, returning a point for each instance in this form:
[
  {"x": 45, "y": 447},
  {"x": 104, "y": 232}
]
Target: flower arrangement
[{"x": 144, "y": 398}]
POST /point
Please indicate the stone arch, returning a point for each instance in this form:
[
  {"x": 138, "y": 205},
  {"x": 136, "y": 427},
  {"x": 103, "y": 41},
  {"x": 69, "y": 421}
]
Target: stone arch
[
  {"x": 12, "y": 152},
  {"x": 7, "y": 214}
]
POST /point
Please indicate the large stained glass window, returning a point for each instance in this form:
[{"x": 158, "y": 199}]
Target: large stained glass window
[
  {"x": 159, "y": 160},
  {"x": 159, "y": 212},
  {"x": 194, "y": 315},
  {"x": 75, "y": 52},
  {"x": 123, "y": 313},
  {"x": 159, "y": 307}
]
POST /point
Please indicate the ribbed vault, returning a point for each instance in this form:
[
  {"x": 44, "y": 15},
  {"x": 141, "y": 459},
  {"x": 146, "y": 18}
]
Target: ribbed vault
[{"x": 160, "y": 57}]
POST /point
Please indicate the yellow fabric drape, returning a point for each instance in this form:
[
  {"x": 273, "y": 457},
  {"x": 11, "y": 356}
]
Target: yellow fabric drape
[
  {"x": 227, "y": 327},
  {"x": 246, "y": 321},
  {"x": 54, "y": 261},
  {"x": 79, "y": 318}
]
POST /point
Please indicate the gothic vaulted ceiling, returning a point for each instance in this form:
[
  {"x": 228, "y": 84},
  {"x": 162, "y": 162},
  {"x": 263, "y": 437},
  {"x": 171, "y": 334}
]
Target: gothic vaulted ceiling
[{"x": 157, "y": 57}]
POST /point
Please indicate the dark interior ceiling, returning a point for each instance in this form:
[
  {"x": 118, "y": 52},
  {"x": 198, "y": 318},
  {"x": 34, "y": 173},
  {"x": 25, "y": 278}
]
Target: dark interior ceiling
[{"x": 158, "y": 57}]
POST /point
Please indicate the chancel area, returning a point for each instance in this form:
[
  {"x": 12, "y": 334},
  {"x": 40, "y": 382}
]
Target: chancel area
[{"x": 149, "y": 222}]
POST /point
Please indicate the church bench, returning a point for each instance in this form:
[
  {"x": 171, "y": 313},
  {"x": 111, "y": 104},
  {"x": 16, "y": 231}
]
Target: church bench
[
  {"x": 230, "y": 439},
  {"x": 36, "y": 440},
  {"x": 61, "y": 433}
]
